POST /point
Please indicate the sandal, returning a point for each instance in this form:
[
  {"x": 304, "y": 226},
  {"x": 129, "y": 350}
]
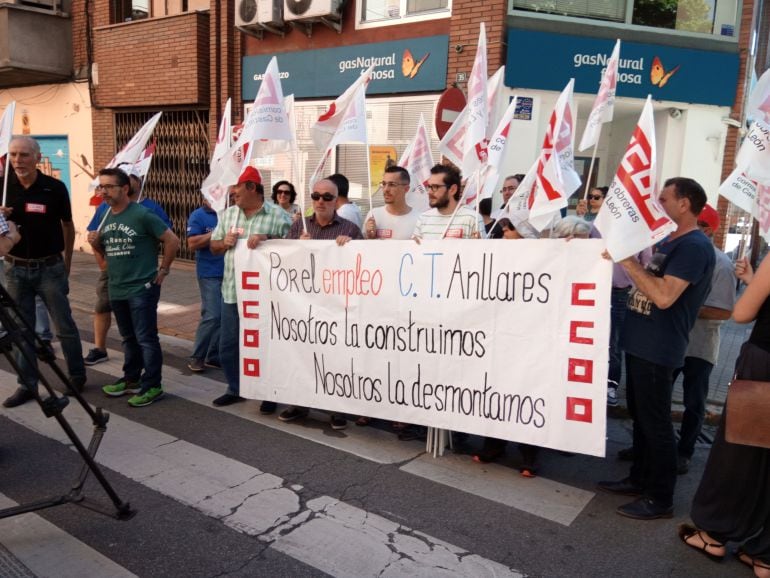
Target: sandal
[
  {"x": 752, "y": 563},
  {"x": 363, "y": 421},
  {"x": 686, "y": 531}
]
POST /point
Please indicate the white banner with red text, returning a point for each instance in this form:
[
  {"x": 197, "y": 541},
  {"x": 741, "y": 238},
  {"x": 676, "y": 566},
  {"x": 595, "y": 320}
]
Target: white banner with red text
[{"x": 495, "y": 338}]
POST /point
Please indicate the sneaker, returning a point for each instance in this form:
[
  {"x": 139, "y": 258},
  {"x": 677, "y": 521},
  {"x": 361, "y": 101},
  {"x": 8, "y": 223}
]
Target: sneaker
[
  {"x": 227, "y": 399},
  {"x": 612, "y": 397},
  {"x": 196, "y": 365},
  {"x": 146, "y": 398},
  {"x": 338, "y": 422},
  {"x": 292, "y": 413},
  {"x": 95, "y": 356},
  {"x": 122, "y": 388}
]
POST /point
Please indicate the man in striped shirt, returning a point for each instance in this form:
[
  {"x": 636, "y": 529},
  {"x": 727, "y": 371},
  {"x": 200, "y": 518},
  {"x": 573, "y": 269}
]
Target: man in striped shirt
[
  {"x": 441, "y": 221},
  {"x": 250, "y": 220}
]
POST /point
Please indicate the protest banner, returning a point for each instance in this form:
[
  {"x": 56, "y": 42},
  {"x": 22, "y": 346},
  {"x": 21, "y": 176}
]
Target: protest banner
[{"x": 486, "y": 337}]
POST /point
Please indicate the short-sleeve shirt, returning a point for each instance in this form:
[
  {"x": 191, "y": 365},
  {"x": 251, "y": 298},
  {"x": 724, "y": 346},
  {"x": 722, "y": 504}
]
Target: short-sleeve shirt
[
  {"x": 270, "y": 220},
  {"x": 335, "y": 228},
  {"x": 704, "y": 337},
  {"x": 130, "y": 240},
  {"x": 660, "y": 336},
  {"x": 431, "y": 224},
  {"x": 394, "y": 226},
  {"x": 148, "y": 204},
  {"x": 39, "y": 212},
  {"x": 207, "y": 265}
]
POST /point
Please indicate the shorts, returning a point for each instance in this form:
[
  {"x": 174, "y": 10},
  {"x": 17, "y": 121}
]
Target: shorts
[{"x": 102, "y": 294}]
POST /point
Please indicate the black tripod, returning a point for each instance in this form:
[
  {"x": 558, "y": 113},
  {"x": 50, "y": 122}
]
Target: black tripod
[{"x": 17, "y": 332}]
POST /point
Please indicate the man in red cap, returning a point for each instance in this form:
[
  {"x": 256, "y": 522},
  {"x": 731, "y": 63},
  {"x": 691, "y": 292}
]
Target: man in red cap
[
  {"x": 250, "y": 220},
  {"x": 703, "y": 348}
]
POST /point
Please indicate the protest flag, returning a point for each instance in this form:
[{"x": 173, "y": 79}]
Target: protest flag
[
  {"x": 224, "y": 136},
  {"x": 418, "y": 160},
  {"x": 602, "y": 111},
  {"x": 555, "y": 176},
  {"x": 758, "y": 106},
  {"x": 6, "y": 134},
  {"x": 325, "y": 128},
  {"x": 267, "y": 119},
  {"x": 631, "y": 219},
  {"x": 475, "y": 141},
  {"x": 133, "y": 150}
]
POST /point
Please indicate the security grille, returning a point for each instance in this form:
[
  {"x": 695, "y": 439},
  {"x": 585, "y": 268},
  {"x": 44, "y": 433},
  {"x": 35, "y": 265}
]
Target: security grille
[{"x": 179, "y": 165}]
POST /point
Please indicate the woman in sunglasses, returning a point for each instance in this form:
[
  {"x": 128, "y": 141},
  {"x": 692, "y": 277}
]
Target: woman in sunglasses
[
  {"x": 589, "y": 210},
  {"x": 284, "y": 195}
]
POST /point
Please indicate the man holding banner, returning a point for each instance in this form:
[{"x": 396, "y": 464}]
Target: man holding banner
[
  {"x": 252, "y": 221},
  {"x": 661, "y": 312},
  {"x": 444, "y": 219}
]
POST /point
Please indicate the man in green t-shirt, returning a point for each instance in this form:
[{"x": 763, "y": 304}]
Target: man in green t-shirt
[{"x": 128, "y": 239}]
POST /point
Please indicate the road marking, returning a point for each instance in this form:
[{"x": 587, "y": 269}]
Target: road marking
[
  {"x": 263, "y": 505},
  {"x": 554, "y": 501},
  {"x": 47, "y": 550}
]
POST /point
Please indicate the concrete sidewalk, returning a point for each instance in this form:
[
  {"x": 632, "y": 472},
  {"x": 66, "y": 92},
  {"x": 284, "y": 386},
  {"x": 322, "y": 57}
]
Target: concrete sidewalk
[{"x": 179, "y": 312}]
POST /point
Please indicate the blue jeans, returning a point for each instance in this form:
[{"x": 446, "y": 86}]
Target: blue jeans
[
  {"x": 229, "y": 347},
  {"x": 649, "y": 388},
  {"x": 51, "y": 284},
  {"x": 617, "y": 317},
  {"x": 206, "y": 345},
  {"x": 695, "y": 387},
  {"x": 137, "y": 319},
  {"x": 42, "y": 323}
]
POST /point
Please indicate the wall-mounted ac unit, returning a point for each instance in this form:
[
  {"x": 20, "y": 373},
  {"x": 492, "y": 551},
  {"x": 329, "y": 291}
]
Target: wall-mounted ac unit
[
  {"x": 312, "y": 9},
  {"x": 255, "y": 15}
]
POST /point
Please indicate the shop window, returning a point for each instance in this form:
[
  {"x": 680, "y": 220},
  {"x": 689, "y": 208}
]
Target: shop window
[
  {"x": 130, "y": 10},
  {"x": 713, "y": 17},
  {"x": 395, "y": 11},
  {"x": 596, "y": 9}
]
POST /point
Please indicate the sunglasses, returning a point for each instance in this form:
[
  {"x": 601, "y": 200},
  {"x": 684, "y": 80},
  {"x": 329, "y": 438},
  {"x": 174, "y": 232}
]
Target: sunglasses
[
  {"x": 704, "y": 225},
  {"x": 283, "y": 192},
  {"x": 328, "y": 197},
  {"x": 596, "y": 198}
]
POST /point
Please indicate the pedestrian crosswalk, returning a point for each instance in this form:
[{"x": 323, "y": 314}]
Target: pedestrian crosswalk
[{"x": 277, "y": 512}]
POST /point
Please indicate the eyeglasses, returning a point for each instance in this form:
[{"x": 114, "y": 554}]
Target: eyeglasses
[
  {"x": 328, "y": 197},
  {"x": 283, "y": 192},
  {"x": 435, "y": 188},
  {"x": 596, "y": 198},
  {"x": 511, "y": 188},
  {"x": 108, "y": 187},
  {"x": 393, "y": 185}
]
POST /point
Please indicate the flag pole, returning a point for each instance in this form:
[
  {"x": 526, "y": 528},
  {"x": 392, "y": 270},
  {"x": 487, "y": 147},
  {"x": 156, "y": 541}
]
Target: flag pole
[
  {"x": 5, "y": 175},
  {"x": 590, "y": 171},
  {"x": 369, "y": 176},
  {"x": 452, "y": 218}
]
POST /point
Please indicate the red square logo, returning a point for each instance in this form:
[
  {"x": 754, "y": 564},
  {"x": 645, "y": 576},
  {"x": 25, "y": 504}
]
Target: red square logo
[
  {"x": 251, "y": 367},
  {"x": 251, "y": 337},
  {"x": 579, "y": 409}
]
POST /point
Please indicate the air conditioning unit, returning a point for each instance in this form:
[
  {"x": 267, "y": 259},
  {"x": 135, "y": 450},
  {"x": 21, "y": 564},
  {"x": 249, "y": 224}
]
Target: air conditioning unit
[
  {"x": 253, "y": 15},
  {"x": 312, "y": 9}
]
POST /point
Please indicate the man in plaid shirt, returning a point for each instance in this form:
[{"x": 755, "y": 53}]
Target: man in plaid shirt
[{"x": 250, "y": 220}]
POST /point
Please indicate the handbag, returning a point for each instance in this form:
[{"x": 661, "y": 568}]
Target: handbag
[{"x": 748, "y": 413}]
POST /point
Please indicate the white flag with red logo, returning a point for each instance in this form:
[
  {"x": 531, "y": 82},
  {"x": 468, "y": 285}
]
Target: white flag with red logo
[
  {"x": 763, "y": 208},
  {"x": 604, "y": 104},
  {"x": 133, "y": 150},
  {"x": 418, "y": 160},
  {"x": 631, "y": 219},
  {"x": 268, "y": 118},
  {"x": 142, "y": 166},
  {"x": 475, "y": 140},
  {"x": 325, "y": 128},
  {"x": 556, "y": 178},
  {"x": 752, "y": 169},
  {"x": 224, "y": 136},
  {"x": 451, "y": 146},
  {"x": 6, "y": 127},
  {"x": 759, "y": 100}
]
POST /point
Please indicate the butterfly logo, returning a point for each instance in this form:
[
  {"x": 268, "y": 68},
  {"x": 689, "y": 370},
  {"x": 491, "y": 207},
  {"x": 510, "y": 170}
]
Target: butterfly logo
[
  {"x": 410, "y": 68},
  {"x": 658, "y": 75}
]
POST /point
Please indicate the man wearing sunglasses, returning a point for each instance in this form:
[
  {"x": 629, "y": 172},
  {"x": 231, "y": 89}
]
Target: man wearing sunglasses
[
  {"x": 39, "y": 264},
  {"x": 250, "y": 220},
  {"x": 325, "y": 224}
]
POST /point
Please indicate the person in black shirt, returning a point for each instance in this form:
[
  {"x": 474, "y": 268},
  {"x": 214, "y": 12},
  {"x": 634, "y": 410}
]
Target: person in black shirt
[{"x": 39, "y": 264}]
